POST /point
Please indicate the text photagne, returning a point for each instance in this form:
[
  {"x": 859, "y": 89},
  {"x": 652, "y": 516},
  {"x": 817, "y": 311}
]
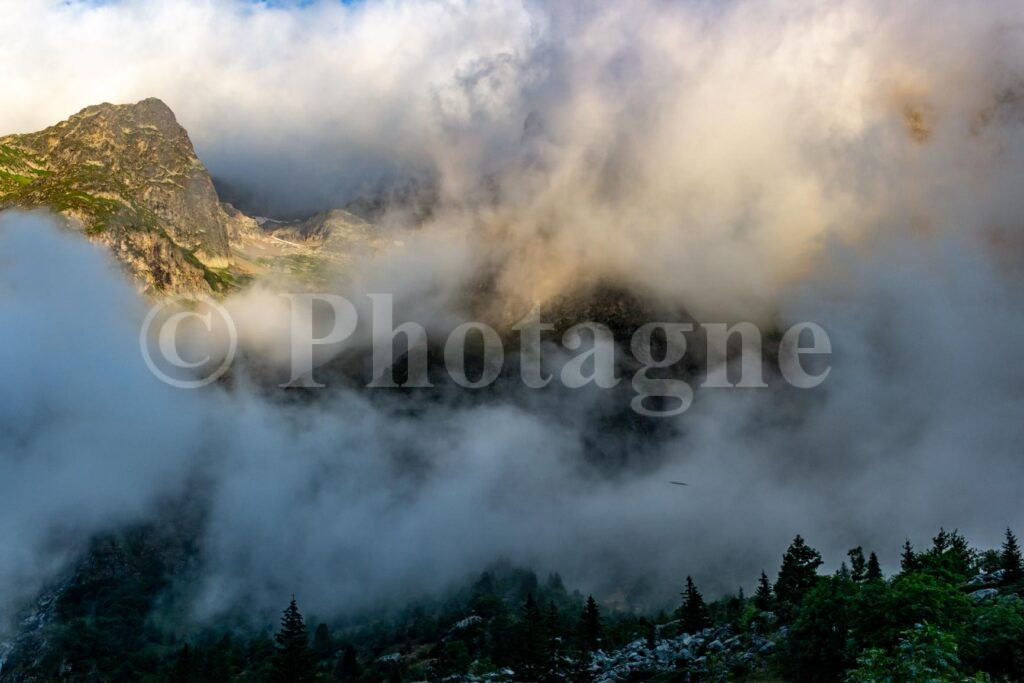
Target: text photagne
[{"x": 474, "y": 354}]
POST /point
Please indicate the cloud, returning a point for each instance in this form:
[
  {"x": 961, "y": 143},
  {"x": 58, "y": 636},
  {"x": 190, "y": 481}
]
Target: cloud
[
  {"x": 88, "y": 441},
  {"x": 702, "y": 152},
  {"x": 353, "y": 500},
  {"x": 849, "y": 163}
]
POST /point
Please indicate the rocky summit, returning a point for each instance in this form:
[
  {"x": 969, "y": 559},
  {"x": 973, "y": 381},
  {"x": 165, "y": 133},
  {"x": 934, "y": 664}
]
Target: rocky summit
[{"x": 126, "y": 176}]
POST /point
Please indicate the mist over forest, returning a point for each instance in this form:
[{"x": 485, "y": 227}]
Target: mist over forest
[{"x": 846, "y": 163}]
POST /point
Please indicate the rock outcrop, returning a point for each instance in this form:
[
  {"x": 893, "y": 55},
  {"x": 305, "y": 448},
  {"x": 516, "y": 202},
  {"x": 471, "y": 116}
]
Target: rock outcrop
[{"x": 712, "y": 654}]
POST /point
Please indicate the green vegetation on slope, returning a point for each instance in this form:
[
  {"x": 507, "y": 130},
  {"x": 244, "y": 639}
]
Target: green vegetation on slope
[{"x": 116, "y": 621}]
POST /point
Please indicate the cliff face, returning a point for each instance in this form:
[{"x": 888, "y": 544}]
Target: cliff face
[{"x": 128, "y": 177}]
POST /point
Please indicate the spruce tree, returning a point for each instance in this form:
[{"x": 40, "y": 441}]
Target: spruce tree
[
  {"x": 874, "y": 570},
  {"x": 961, "y": 556},
  {"x": 763, "y": 598},
  {"x": 908, "y": 559},
  {"x": 857, "y": 565},
  {"x": 219, "y": 661},
  {"x": 348, "y": 668},
  {"x": 534, "y": 643},
  {"x": 323, "y": 648},
  {"x": 650, "y": 632},
  {"x": 553, "y": 630},
  {"x": 940, "y": 544},
  {"x": 555, "y": 583},
  {"x": 292, "y": 663},
  {"x": 1010, "y": 559},
  {"x": 591, "y": 629},
  {"x": 734, "y": 608},
  {"x": 949, "y": 556},
  {"x": 799, "y": 572},
  {"x": 693, "y": 613},
  {"x": 185, "y": 669}
]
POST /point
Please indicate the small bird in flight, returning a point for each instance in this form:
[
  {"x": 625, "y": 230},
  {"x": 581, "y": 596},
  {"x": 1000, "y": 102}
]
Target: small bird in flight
[{"x": 679, "y": 483}]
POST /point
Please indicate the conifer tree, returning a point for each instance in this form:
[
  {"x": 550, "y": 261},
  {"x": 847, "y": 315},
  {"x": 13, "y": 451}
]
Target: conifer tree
[
  {"x": 485, "y": 584},
  {"x": 555, "y": 582},
  {"x": 650, "y": 632},
  {"x": 908, "y": 559},
  {"x": 874, "y": 570},
  {"x": 940, "y": 543},
  {"x": 763, "y": 598},
  {"x": 323, "y": 648},
  {"x": 799, "y": 572},
  {"x": 534, "y": 643},
  {"x": 591, "y": 629},
  {"x": 553, "y": 630},
  {"x": 1010, "y": 559},
  {"x": 693, "y": 613},
  {"x": 734, "y": 607},
  {"x": 219, "y": 661},
  {"x": 348, "y": 668},
  {"x": 950, "y": 554},
  {"x": 962, "y": 556},
  {"x": 185, "y": 668},
  {"x": 857, "y": 565},
  {"x": 292, "y": 663}
]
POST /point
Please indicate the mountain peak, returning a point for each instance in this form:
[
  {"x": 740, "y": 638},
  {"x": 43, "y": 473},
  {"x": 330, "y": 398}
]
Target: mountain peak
[
  {"x": 148, "y": 112},
  {"x": 129, "y": 176},
  {"x": 150, "y": 118}
]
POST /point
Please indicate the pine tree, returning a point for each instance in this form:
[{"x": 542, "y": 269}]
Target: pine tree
[
  {"x": 962, "y": 556},
  {"x": 553, "y": 629},
  {"x": 219, "y": 660},
  {"x": 734, "y": 608},
  {"x": 323, "y": 648},
  {"x": 693, "y": 613},
  {"x": 874, "y": 571},
  {"x": 534, "y": 643},
  {"x": 950, "y": 555},
  {"x": 291, "y": 663},
  {"x": 591, "y": 629},
  {"x": 857, "y": 564},
  {"x": 763, "y": 598},
  {"x": 555, "y": 583},
  {"x": 1010, "y": 559},
  {"x": 348, "y": 668},
  {"x": 185, "y": 669},
  {"x": 908, "y": 560},
  {"x": 799, "y": 572},
  {"x": 844, "y": 572},
  {"x": 650, "y": 632},
  {"x": 940, "y": 544},
  {"x": 485, "y": 584}
]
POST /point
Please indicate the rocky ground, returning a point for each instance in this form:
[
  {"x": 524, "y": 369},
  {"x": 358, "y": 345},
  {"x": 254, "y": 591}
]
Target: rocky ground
[{"x": 710, "y": 652}]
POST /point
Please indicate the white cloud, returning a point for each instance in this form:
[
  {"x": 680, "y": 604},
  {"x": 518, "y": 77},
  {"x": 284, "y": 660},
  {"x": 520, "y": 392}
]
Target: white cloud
[{"x": 742, "y": 159}]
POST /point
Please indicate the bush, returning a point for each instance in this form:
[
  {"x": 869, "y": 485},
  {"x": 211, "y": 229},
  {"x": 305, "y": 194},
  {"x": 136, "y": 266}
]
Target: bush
[{"x": 996, "y": 642}]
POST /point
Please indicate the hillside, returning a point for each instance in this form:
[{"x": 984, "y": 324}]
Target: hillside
[
  {"x": 950, "y": 613},
  {"x": 127, "y": 176}
]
